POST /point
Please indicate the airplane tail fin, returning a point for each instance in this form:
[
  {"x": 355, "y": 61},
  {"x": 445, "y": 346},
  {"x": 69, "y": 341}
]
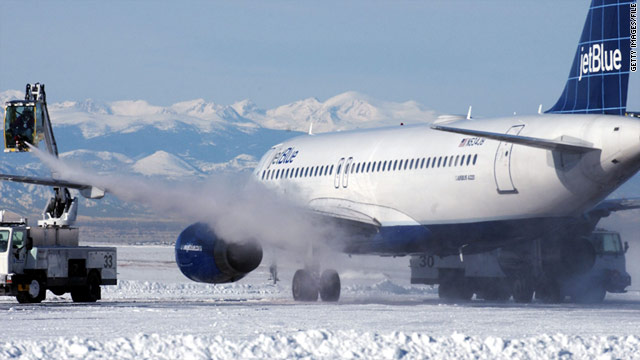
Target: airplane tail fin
[{"x": 599, "y": 76}]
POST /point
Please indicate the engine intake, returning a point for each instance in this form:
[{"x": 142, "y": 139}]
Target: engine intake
[{"x": 204, "y": 257}]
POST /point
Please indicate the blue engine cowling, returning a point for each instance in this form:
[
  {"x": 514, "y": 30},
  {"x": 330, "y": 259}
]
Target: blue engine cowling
[{"x": 204, "y": 257}]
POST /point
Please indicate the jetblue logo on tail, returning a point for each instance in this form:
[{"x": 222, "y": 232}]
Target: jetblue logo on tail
[
  {"x": 598, "y": 59},
  {"x": 599, "y": 75}
]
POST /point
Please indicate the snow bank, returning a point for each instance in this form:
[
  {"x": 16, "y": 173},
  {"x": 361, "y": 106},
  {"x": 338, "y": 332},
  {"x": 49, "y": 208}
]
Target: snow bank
[{"x": 326, "y": 344}]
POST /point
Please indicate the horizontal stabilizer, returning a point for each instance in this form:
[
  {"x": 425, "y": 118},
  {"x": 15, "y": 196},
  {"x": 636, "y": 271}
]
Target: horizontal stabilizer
[
  {"x": 555, "y": 145},
  {"x": 606, "y": 207}
]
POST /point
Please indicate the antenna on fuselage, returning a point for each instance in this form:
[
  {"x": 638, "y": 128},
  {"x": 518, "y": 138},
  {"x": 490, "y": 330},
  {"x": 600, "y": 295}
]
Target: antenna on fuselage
[
  {"x": 540, "y": 109},
  {"x": 311, "y": 128},
  {"x": 469, "y": 113}
]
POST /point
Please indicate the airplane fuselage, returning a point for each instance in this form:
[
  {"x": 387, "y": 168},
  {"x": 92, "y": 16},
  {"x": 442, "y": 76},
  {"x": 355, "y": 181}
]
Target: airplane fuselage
[{"x": 460, "y": 190}]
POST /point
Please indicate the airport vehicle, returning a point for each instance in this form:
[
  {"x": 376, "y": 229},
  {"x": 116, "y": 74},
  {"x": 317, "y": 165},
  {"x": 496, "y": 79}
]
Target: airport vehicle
[
  {"x": 47, "y": 256},
  {"x": 34, "y": 259},
  {"x": 460, "y": 277},
  {"x": 459, "y": 186}
]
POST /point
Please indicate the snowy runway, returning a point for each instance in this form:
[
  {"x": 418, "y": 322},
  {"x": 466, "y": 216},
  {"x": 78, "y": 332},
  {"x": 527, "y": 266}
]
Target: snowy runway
[{"x": 155, "y": 312}]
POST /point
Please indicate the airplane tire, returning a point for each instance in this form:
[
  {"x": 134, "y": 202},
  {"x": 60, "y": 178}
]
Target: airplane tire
[
  {"x": 304, "y": 286},
  {"x": 522, "y": 290},
  {"x": 330, "y": 285},
  {"x": 551, "y": 293},
  {"x": 497, "y": 290},
  {"x": 454, "y": 291}
]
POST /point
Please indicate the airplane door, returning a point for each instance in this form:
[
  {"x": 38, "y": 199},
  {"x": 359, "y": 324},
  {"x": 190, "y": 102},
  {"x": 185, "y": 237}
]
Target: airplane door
[
  {"x": 502, "y": 164},
  {"x": 336, "y": 180},
  {"x": 345, "y": 177}
]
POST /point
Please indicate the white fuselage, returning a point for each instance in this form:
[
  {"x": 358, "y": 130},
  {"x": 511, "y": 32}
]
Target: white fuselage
[{"x": 467, "y": 180}]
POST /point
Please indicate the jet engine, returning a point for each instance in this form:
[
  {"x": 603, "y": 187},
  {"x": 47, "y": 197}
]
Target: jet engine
[{"x": 204, "y": 257}]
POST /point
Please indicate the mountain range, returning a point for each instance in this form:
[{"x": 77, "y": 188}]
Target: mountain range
[{"x": 189, "y": 139}]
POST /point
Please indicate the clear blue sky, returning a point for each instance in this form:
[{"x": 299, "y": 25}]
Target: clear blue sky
[{"x": 499, "y": 56}]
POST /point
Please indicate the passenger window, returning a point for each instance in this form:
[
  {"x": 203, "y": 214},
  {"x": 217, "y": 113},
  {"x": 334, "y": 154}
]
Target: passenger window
[
  {"x": 263, "y": 173},
  {"x": 444, "y": 163},
  {"x": 450, "y": 160},
  {"x": 339, "y": 168},
  {"x": 395, "y": 164},
  {"x": 475, "y": 157},
  {"x": 422, "y": 163},
  {"x": 462, "y": 160},
  {"x": 331, "y": 170},
  {"x": 411, "y": 164},
  {"x": 384, "y": 165},
  {"x": 346, "y": 169},
  {"x": 278, "y": 174},
  {"x": 271, "y": 173},
  {"x": 457, "y": 158},
  {"x": 428, "y": 161},
  {"x": 306, "y": 171},
  {"x": 468, "y": 160},
  {"x": 406, "y": 162},
  {"x": 368, "y": 166}
]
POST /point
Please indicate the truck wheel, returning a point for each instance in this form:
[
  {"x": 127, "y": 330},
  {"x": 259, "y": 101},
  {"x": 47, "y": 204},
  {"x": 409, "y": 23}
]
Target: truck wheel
[
  {"x": 90, "y": 292},
  {"x": 37, "y": 292}
]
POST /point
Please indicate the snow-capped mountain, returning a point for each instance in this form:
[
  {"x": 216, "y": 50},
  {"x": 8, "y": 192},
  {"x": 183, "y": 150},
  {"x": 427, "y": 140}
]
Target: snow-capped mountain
[{"x": 194, "y": 138}]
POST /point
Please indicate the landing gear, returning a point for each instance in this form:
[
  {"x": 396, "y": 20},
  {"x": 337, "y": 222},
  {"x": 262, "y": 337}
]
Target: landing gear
[
  {"x": 304, "y": 286},
  {"x": 307, "y": 285},
  {"x": 495, "y": 290},
  {"x": 330, "y": 285},
  {"x": 522, "y": 289},
  {"x": 455, "y": 290}
]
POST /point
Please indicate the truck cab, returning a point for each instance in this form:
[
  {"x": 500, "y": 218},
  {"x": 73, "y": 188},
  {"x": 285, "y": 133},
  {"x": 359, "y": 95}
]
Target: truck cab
[
  {"x": 12, "y": 249},
  {"x": 610, "y": 262}
]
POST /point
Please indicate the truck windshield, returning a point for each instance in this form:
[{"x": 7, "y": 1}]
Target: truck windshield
[
  {"x": 4, "y": 240},
  {"x": 607, "y": 243}
]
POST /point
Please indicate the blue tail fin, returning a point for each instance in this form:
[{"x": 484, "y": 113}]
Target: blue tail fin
[{"x": 599, "y": 75}]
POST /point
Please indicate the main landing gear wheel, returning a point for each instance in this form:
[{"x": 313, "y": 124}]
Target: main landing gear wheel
[
  {"x": 36, "y": 293},
  {"x": 304, "y": 286},
  {"x": 455, "y": 290},
  {"x": 522, "y": 290},
  {"x": 330, "y": 285}
]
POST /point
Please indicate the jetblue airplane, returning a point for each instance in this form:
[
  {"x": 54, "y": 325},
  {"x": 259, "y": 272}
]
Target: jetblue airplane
[{"x": 458, "y": 186}]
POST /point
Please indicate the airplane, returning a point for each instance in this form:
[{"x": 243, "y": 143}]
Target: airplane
[{"x": 457, "y": 186}]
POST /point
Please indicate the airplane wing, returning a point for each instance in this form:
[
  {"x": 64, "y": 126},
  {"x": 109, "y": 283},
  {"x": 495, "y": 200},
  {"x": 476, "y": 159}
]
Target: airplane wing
[
  {"x": 86, "y": 190},
  {"x": 557, "y": 145}
]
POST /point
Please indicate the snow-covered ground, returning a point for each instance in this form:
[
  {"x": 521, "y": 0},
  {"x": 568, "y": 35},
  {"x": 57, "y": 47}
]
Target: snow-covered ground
[{"x": 155, "y": 312}]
